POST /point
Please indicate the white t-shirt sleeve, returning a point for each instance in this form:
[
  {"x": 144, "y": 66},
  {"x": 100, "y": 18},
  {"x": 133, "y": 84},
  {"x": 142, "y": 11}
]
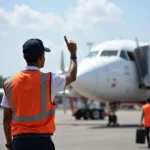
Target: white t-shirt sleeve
[
  {"x": 58, "y": 83},
  {"x": 4, "y": 102}
]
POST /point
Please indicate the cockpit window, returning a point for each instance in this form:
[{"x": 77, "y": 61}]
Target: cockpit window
[
  {"x": 131, "y": 56},
  {"x": 92, "y": 54},
  {"x": 109, "y": 53},
  {"x": 123, "y": 55}
]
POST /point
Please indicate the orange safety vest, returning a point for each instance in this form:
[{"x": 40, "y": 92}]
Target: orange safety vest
[
  {"x": 146, "y": 109},
  {"x": 29, "y": 96}
]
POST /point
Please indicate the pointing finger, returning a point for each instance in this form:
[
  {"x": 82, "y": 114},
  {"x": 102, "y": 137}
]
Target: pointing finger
[{"x": 66, "y": 40}]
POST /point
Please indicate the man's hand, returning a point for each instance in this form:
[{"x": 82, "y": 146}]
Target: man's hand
[
  {"x": 71, "y": 46},
  {"x": 7, "y": 116}
]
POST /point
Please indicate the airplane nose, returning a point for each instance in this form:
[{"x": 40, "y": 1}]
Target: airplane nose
[
  {"x": 85, "y": 82},
  {"x": 91, "y": 78},
  {"x": 86, "y": 78}
]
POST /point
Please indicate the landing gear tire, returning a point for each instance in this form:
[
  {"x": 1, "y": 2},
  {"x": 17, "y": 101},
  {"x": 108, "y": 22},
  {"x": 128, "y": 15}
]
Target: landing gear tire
[
  {"x": 95, "y": 114},
  {"x": 112, "y": 120},
  {"x": 86, "y": 114},
  {"x": 78, "y": 115}
]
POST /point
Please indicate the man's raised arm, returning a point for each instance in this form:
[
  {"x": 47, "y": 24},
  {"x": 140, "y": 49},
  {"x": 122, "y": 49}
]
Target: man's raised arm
[{"x": 72, "y": 72}]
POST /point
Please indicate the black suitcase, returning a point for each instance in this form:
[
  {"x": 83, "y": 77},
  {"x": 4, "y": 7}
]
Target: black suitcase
[{"x": 140, "y": 136}]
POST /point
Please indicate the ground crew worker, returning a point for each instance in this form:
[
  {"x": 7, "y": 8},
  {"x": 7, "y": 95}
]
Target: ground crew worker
[
  {"x": 29, "y": 109},
  {"x": 146, "y": 117}
]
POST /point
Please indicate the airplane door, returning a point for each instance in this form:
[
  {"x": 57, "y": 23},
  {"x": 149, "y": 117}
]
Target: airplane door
[{"x": 128, "y": 80}]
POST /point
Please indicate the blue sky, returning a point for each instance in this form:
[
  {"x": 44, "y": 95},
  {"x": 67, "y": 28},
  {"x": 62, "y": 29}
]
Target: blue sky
[{"x": 80, "y": 20}]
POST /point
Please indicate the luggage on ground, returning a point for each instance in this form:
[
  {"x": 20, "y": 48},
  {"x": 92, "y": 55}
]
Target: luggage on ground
[{"x": 140, "y": 136}]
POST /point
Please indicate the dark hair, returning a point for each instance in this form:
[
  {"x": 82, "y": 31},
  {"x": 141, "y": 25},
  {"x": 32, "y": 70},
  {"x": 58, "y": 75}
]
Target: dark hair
[{"x": 31, "y": 58}]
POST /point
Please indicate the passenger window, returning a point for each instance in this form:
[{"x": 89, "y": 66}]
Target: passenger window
[
  {"x": 131, "y": 56},
  {"x": 123, "y": 55}
]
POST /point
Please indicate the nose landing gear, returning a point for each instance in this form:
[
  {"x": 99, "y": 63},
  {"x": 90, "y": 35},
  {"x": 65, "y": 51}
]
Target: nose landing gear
[{"x": 113, "y": 119}]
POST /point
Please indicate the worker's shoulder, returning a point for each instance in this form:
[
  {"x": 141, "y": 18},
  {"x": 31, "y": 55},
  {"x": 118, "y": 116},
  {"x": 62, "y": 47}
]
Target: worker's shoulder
[
  {"x": 57, "y": 75},
  {"x": 9, "y": 79}
]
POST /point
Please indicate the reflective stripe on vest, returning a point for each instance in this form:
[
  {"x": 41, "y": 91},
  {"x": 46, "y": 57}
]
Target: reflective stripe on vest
[{"x": 38, "y": 117}]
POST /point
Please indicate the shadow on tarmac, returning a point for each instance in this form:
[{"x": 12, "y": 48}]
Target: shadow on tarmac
[
  {"x": 120, "y": 126},
  {"x": 99, "y": 126}
]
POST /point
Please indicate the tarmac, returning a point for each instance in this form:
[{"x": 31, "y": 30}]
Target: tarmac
[{"x": 74, "y": 134}]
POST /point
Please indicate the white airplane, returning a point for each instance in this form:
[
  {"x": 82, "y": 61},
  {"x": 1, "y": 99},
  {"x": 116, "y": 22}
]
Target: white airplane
[{"x": 110, "y": 73}]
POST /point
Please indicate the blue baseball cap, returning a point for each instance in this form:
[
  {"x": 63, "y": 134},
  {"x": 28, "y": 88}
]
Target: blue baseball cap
[{"x": 34, "y": 47}]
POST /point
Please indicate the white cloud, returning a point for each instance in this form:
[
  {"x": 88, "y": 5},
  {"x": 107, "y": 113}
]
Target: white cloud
[
  {"x": 25, "y": 17},
  {"x": 85, "y": 15},
  {"x": 90, "y": 12},
  {"x": 3, "y": 17}
]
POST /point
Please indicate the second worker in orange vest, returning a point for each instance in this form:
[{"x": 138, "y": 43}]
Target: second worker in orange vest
[
  {"x": 30, "y": 118},
  {"x": 146, "y": 117}
]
